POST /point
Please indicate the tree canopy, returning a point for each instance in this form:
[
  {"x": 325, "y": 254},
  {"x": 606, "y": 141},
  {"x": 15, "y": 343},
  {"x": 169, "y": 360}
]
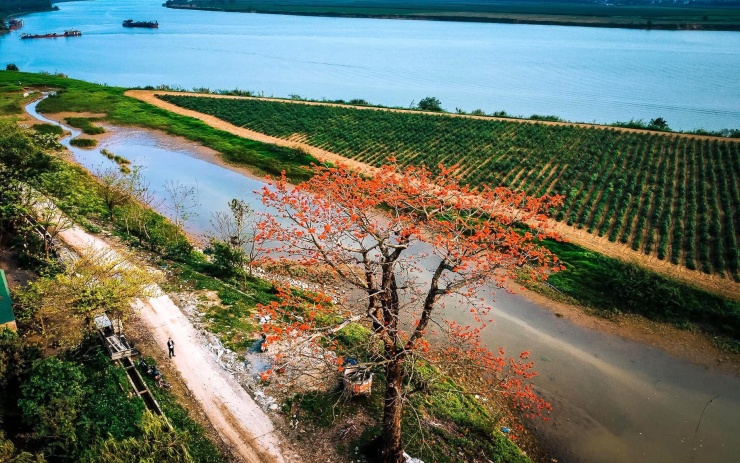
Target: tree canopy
[{"x": 409, "y": 242}]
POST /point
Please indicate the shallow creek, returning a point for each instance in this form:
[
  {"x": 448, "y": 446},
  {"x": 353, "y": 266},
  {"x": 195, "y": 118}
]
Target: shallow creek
[{"x": 614, "y": 400}]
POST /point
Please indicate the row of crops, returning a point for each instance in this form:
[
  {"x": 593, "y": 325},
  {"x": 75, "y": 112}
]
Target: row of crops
[{"x": 667, "y": 195}]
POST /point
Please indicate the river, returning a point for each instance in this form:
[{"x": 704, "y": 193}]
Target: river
[
  {"x": 690, "y": 78},
  {"x": 614, "y": 400}
]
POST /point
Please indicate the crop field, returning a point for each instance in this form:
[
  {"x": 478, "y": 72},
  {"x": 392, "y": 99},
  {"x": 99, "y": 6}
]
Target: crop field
[{"x": 667, "y": 195}]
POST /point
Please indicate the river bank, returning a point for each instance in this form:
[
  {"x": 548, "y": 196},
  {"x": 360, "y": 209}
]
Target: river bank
[{"x": 645, "y": 18}]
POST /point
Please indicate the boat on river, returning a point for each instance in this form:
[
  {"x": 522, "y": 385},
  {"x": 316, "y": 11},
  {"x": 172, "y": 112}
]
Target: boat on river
[
  {"x": 54, "y": 35},
  {"x": 15, "y": 24},
  {"x": 145, "y": 24}
]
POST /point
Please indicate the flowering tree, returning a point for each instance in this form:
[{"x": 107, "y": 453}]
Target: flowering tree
[{"x": 409, "y": 241}]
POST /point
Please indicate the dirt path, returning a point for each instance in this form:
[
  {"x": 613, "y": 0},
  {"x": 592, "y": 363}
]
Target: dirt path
[
  {"x": 714, "y": 283},
  {"x": 241, "y": 423}
]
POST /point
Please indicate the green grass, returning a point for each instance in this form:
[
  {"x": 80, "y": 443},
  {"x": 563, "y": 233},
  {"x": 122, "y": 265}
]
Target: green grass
[
  {"x": 11, "y": 96},
  {"x": 611, "y": 286},
  {"x": 83, "y": 142},
  {"x": 48, "y": 129},
  {"x": 80, "y": 96},
  {"x": 85, "y": 124}
]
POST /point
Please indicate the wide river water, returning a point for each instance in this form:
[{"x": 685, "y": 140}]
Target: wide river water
[
  {"x": 614, "y": 400},
  {"x": 690, "y": 78}
]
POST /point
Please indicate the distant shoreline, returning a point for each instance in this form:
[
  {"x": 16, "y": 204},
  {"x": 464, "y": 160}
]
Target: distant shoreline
[{"x": 637, "y": 23}]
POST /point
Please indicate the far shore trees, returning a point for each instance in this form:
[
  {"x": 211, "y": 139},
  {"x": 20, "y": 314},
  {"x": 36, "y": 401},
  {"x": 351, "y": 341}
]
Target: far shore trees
[{"x": 409, "y": 242}]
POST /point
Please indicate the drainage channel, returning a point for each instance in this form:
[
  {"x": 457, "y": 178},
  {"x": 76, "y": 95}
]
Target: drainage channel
[{"x": 141, "y": 388}]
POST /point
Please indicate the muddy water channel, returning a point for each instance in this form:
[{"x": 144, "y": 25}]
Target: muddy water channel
[{"x": 614, "y": 400}]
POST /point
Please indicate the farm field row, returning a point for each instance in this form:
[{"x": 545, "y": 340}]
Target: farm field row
[{"x": 666, "y": 195}]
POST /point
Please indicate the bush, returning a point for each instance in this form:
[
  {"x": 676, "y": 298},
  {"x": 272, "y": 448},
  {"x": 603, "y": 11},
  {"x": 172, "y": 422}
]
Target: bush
[{"x": 11, "y": 67}]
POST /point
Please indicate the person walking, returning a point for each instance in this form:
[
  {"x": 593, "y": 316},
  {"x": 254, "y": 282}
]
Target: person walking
[{"x": 171, "y": 347}]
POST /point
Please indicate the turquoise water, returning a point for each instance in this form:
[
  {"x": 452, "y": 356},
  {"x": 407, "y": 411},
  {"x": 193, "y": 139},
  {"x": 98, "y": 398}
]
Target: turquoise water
[{"x": 581, "y": 74}]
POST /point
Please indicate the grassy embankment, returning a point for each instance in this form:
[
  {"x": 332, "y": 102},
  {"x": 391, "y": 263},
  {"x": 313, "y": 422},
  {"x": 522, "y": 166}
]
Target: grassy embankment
[
  {"x": 673, "y": 17},
  {"x": 683, "y": 304},
  {"x": 467, "y": 427}
]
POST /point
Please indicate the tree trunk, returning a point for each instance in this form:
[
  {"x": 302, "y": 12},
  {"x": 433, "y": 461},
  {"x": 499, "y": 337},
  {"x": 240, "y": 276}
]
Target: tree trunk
[{"x": 392, "y": 410}]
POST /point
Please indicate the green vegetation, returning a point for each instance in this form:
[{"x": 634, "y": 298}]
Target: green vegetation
[
  {"x": 50, "y": 129},
  {"x": 611, "y": 287},
  {"x": 430, "y": 104},
  {"x": 122, "y": 162},
  {"x": 75, "y": 407},
  {"x": 627, "y": 14},
  {"x": 80, "y": 96},
  {"x": 83, "y": 142},
  {"x": 70, "y": 404},
  {"x": 673, "y": 197},
  {"x": 11, "y": 97},
  {"x": 85, "y": 124}
]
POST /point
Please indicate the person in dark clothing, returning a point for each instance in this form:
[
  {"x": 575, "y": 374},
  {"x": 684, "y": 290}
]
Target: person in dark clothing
[{"x": 171, "y": 347}]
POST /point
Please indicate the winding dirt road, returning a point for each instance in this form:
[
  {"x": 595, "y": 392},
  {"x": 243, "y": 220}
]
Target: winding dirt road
[{"x": 714, "y": 283}]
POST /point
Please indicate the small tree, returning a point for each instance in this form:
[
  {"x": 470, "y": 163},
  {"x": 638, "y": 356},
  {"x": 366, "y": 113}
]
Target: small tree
[
  {"x": 430, "y": 104},
  {"x": 658, "y": 124},
  {"x": 62, "y": 306},
  {"x": 233, "y": 243},
  {"x": 50, "y": 221},
  {"x": 466, "y": 239},
  {"x": 11, "y": 67},
  {"x": 117, "y": 188}
]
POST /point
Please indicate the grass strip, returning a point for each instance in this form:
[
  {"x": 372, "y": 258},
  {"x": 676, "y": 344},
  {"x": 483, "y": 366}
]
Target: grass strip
[{"x": 79, "y": 96}]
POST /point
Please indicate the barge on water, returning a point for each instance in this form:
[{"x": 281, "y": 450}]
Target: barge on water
[
  {"x": 69, "y": 33},
  {"x": 145, "y": 24}
]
